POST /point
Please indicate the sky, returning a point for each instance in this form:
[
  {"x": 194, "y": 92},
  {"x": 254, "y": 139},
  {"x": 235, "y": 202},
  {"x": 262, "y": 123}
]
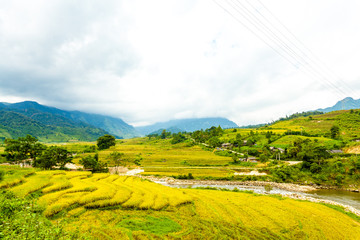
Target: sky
[{"x": 149, "y": 61}]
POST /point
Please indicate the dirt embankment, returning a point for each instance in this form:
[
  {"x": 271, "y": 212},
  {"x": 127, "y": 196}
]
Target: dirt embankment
[{"x": 353, "y": 149}]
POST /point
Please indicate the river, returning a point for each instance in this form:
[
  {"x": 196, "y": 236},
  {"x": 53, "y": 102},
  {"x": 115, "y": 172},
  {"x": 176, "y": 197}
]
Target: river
[{"x": 344, "y": 197}]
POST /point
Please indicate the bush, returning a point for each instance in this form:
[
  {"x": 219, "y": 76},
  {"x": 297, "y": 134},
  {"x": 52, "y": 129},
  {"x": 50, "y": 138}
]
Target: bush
[
  {"x": 92, "y": 162},
  {"x": 188, "y": 176},
  {"x": 22, "y": 219},
  {"x": 2, "y": 173}
]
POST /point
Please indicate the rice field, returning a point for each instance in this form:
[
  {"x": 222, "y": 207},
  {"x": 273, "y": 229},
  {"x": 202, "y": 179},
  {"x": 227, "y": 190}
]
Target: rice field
[
  {"x": 63, "y": 190},
  {"x": 119, "y": 207},
  {"x": 222, "y": 215},
  {"x": 161, "y": 153}
]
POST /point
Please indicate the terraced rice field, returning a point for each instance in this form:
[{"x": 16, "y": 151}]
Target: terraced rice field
[
  {"x": 162, "y": 153},
  {"x": 69, "y": 190},
  {"x": 117, "y": 207}
]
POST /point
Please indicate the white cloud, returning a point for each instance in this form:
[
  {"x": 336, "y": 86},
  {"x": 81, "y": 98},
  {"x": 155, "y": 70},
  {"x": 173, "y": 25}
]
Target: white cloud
[{"x": 147, "y": 61}]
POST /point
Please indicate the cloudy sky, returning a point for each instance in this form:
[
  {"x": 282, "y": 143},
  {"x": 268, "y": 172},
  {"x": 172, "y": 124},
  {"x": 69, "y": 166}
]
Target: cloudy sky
[{"x": 149, "y": 61}]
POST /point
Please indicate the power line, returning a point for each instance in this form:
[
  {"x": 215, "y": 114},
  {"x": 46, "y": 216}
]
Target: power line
[
  {"x": 285, "y": 48},
  {"x": 322, "y": 65},
  {"x": 285, "y": 45}
]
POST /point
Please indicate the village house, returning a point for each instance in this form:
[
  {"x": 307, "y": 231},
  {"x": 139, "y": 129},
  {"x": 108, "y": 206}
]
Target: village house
[
  {"x": 226, "y": 145},
  {"x": 274, "y": 149},
  {"x": 335, "y": 151}
]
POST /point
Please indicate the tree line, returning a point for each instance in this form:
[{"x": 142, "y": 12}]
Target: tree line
[{"x": 29, "y": 150}]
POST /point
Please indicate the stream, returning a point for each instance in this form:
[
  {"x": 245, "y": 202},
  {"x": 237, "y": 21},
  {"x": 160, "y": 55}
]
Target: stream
[{"x": 344, "y": 197}]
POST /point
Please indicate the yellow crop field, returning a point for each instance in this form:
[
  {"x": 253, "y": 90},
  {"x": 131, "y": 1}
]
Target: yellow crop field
[
  {"x": 163, "y": 153},
  {"x": 14, "y": 176},
  {"x": 223, "y": 215},
  {"x": 120, "y": 207},
  {"x": 62, "y": 190}
]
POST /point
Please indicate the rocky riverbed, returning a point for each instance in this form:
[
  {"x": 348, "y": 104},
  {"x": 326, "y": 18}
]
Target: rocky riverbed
[{"x": 284, "y": 186}]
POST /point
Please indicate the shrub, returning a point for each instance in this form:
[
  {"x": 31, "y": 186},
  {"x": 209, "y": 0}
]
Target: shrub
[
  {"x": 24, "y": 220},
  {"x": 2, "y": 173}
]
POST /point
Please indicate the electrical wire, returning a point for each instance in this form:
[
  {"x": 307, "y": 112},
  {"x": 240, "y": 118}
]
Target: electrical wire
[{"x": 267, "y": 32}]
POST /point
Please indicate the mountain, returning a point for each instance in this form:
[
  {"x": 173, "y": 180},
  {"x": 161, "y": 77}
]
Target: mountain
[
  {"x": 170, "y": 129},
  {"x": 345, "y": 104},
  {"x": 187, "y": 125},
  {"x": 14, "y": 125},
  {"x": 50, "y": 116}
]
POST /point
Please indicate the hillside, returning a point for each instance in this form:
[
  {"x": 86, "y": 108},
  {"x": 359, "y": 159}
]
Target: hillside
[
  {"x": 107, "y": 206},
  {"x": 57, "y": 117},
  {"x": 41, "y": 126},
  {"x": 188, "y": 125},
  {"x": 320, "y": 125}
]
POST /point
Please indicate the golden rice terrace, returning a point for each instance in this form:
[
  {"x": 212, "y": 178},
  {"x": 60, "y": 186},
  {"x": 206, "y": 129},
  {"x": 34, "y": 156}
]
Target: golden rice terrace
[{"x": 107, "y": 206}]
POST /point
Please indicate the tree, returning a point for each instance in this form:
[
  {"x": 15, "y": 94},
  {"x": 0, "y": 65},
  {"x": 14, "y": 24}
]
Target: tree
[
  {"x": 238, "y": 140},
  {"x": 163, "y": 134},
  {"x": 117, "y": 158},
  {"x": 92, "y": 162},
  {"x": 263, "y": 158},
  {"x": 53, "y": 156},
  {"x": 178, "y": 138},
  {"x": 214, "y": 142},
  {"x": 23, "y": 148},
  {"x": 105, "y": 141},
  {"x": 334, "y": 132},
  {"x": 2, "y": 174},
  {"x": 235, "y": 158}
]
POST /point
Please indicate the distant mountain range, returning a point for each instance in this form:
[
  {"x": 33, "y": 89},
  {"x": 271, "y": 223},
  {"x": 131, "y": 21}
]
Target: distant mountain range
[
  {"x": 345, "y": 104},
  {"x": 187, "y": 125},
  {"x": 53, "y": 124}
]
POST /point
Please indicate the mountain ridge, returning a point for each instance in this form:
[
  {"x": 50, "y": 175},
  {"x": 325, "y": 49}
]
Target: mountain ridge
[
  {"x": 347, "y": 103},
  {"x": 188, "y": 124},
  {"x": 60, "y": 118}
]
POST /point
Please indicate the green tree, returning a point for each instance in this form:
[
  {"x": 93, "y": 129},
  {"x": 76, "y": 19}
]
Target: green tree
[
  {"x": 53, "y": 156},
  {"x": 235, "y": 158},
  {"x": 178, "y": 138},
  {"x": 238, "y": 140},
  {"x": 92, "y": 162},
  {"x": 2, "y": 174},
  {"x": 105, "y": 142},
  {"x": 263, "y": 158},
  {"x": 334, "y": 132},
  {"x": 23, "y": 148},
  {"x": 163, "y": 134},
  {"x": 118, "y": 158},
  {"x": 214, "y": 142}
]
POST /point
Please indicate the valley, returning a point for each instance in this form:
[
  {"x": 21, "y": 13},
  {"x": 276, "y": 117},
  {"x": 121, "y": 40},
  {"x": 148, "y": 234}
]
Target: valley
[{"x": 270, "y": 182}]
